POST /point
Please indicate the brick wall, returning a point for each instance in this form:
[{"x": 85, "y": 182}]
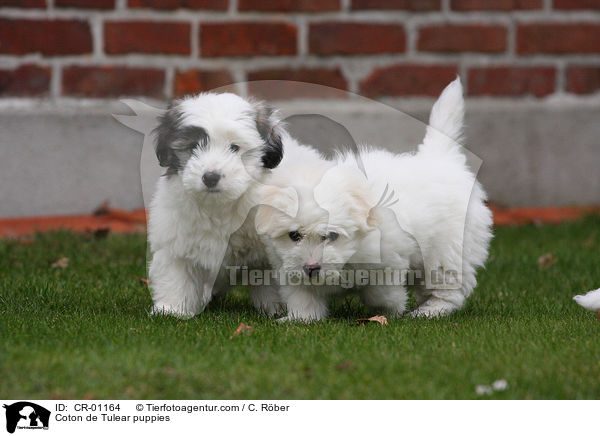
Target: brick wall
[{"x": 166, "y": 48}]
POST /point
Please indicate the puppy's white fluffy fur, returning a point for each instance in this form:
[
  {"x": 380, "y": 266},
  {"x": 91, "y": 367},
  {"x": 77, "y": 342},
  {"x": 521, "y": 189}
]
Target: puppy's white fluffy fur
[
  {"x": 195, "y": 228},
  {"x": 436, "y": 221}
]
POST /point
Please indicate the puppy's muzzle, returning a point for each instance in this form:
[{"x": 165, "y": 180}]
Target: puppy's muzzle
[
  {"x": 211, "y": 179},
  {"x": 312, "y": 269}
]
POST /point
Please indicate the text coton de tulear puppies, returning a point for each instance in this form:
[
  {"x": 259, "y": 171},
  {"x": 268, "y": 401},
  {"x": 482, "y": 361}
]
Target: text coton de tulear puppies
[{"x": 422, "y": 214}]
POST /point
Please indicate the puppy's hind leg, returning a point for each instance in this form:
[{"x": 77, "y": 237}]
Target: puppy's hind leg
[
  {"x": 436, "y": 306},
  {"x": 421, "y": 292},
  {"x": 390, "y": 298},
  {"x": 174, "y": 287},
  {"x": 452, "y": 288},
  {"x": 442, "y": 302}
]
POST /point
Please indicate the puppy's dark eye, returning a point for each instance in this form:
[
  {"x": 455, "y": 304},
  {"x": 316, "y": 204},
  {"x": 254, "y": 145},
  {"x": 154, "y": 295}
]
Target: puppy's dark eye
[
  {"x": 331, "y": 236},
  {"x": 295, "y": 236},
  {"x": 234, "y": 148}
]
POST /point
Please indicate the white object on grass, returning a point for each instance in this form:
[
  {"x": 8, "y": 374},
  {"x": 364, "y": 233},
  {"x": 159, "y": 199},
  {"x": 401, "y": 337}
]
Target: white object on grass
[
  {"x": 500, "y": 385},
  {"x": 590, "y": 301},
  {"x": 483, "y": 390}
]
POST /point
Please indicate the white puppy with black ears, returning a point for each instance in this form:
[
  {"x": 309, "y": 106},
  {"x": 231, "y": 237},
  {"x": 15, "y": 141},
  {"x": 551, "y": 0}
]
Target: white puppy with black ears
[
  {"x": 423, "y": 213},
  {"x": 217, "y": 148}
]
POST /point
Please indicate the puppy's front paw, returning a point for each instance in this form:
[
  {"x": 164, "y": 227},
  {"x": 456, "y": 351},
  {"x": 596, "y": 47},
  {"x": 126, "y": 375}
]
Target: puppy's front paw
[
  {"x": 291, "y": 318},
  {"x": 420, "y": 313},
  {"x": 433, "y": 308},
  {"x": 166, "y": 310}
]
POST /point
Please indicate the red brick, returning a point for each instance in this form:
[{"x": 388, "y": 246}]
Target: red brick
[
  {"x": 85, "y": 4},
  {"x": 194, "y": 81},
  {"x": 512, "y": 81},
  {"x": 289, "y": 88},
  {"x": 409, "y": 5},
  {"x": 583, "y": 79},
  {"x": 215, "y": 5},
  {"x": 558, "y": 38},
  {"x": 462, "y": 38},
  {"x": 576, "y": 4},
  {"x": 408, "y": 80},
  {"x": 122, "y": 37},
  {"x": 335, "y": 37},
  {"x": 247, "y": 39},
  {"x": 23, "y": 3},
  {"x": 495, "y": 5},
  {"x": 112, "y": 81},
  {"x": 48, "y": 37},
  {"x": 289, "y": 5},
  {"x": 26, "y": 80}
]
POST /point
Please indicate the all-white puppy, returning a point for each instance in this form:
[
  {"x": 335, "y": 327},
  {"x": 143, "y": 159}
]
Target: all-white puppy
[
  {"x": 217, "y": 149},
  {"x": 434, "y": 223}
]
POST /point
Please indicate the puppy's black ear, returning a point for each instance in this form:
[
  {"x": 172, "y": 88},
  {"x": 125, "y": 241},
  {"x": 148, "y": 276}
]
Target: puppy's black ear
[
  {"x": 165, "y": 132},
  {"x": 270, "y": 129}
]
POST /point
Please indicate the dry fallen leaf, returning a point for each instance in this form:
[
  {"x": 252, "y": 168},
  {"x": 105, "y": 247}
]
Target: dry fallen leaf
[
  {"x": 589, "y": 241},
  {"x": 170, "y": 371},
  {"x": 62, "y": 262},
  {"x": 546, "y": 261},
  {"x": 144, "y": 281},
  {"x": 379, "y": 318},
  {"x": 308, "y": 372},
  {"x": 343, "y": 366},
  {"x": 242, "y": 328}
]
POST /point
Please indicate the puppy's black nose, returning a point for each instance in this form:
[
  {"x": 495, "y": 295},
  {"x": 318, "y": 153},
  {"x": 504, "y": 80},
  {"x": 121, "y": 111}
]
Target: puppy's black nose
[
  {"x": 311, "y": 269},
  {"x": 211, "y": 179}
]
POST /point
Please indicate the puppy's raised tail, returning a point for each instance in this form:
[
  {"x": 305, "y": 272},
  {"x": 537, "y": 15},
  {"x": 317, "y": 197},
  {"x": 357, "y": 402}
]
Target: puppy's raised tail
[{"x": 444, "y": 132}]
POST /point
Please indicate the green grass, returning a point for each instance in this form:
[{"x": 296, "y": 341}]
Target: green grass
[{"x": 83, "y": 331}]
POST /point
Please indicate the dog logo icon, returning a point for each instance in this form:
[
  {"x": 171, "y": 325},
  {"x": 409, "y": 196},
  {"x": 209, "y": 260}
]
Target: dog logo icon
[{"x": 26, "y": 415}]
